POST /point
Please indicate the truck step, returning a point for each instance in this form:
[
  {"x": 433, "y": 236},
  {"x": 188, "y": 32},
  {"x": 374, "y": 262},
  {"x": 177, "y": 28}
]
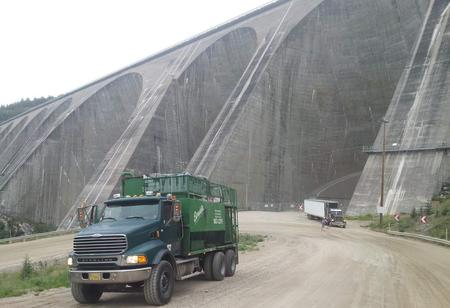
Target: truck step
[
  {"x": 191, "y": 275},
  {"x": 181, "y": 261}
]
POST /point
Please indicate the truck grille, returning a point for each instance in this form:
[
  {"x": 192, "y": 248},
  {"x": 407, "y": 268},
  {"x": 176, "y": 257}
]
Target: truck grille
[{"x": 100, "y": 245}]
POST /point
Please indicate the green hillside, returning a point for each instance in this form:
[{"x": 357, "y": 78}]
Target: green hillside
[
  {"x": 11, "y": 110},
  {"x": 438, "y": 220}
]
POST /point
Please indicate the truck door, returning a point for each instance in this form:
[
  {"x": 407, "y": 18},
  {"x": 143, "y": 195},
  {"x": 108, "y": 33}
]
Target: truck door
[{"x": 170, "y": 230}]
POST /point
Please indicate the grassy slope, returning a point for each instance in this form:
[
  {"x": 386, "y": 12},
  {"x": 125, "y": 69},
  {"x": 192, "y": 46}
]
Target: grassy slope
[
  {"x": 38, "y": 278},
  {"x": 11, "y": 110},
  {"x": 249, "y": 242},
  {"x": 438, "y": 220}
]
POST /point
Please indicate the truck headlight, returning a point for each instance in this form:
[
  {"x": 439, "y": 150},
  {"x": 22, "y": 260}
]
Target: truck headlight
[
  {"x": 70, "y": 261},
  {"x": 137, "y": 260}
]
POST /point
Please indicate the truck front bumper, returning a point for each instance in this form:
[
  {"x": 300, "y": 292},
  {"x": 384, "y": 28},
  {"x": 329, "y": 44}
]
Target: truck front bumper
[{"x": 109, "y": 276}]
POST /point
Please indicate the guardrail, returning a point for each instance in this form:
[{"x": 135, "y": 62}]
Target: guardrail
[
  {"x": 420, "y": 237},
  {"x": 36, "y": 236}
]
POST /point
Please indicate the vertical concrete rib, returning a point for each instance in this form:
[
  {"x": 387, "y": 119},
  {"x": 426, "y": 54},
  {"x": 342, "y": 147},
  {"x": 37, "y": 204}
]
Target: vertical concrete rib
[
  {"x": 205, "y": 157},
  {"x": 418, "y": 125},
  {"x": 108, "y": 173}
]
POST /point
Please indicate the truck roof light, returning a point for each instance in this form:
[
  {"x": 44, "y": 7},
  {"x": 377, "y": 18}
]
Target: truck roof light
[
  {"x": 116, "y": 196},
  {"x": 149, "y": 193}
]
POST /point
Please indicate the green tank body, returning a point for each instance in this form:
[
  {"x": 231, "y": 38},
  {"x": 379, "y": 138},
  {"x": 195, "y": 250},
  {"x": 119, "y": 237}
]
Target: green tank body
[{"x": 208, "y": 209}]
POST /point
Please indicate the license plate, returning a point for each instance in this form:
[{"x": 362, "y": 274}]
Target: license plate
[{"x": 95, "y": 276}]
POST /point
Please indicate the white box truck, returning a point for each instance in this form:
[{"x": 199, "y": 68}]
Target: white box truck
[{"x": 319, "y": 209}]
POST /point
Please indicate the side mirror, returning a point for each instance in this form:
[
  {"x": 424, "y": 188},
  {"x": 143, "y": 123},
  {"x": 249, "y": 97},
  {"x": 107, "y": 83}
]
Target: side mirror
[
  {"x": 81, "y": 217},
  {"x": 87, "y": 215},
  {"x": 176, "y": 212},
  {"x": 93, "y": 215}
]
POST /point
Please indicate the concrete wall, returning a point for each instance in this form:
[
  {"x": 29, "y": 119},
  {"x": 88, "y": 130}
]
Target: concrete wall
[
  {"x": 276, "y": 104},
  {"x": 318, "y": 102},
  {"x": 418, "y": 132},
  {"x": 55, "y": 172}
]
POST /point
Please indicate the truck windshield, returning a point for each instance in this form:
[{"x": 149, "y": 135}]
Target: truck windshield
[
  {"x": 333, "y": 205},
  {"x": 131, "y": 211},
  {"x": 336, "y": 213}
]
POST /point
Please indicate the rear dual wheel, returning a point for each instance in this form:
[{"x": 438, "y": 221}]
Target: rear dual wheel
[
  {"x": 214, "y": 266},
  {"x": 230, "y": 263},
  {"x": 219, "y": 265},
  {"x": 207, "y": 266}
]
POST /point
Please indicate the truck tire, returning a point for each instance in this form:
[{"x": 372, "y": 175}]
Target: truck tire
[
  {"x": 207, "y": 266},
  {"x": 158, "y": 288},
  {"x": 218, "y": 266},
  {"x": 86, "y": 293},
  {"x": 230, "y": 263}
]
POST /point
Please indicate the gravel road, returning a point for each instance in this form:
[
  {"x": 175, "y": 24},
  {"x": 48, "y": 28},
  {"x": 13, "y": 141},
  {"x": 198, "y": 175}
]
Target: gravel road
[
  {"x": 47, "y": 249},
  {"x": 297, "y": 266}
]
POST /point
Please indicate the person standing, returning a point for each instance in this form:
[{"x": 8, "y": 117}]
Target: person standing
[{"x": 324, "y": 223}]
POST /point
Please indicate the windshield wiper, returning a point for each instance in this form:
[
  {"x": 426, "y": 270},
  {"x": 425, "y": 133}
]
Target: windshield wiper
[
  {"x": 131, "y": 217},
  {"x": 108, "y": 218}
]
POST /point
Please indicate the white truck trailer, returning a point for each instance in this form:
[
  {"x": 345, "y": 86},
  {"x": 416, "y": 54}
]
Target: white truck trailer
[{"x": 319, "y": 209}]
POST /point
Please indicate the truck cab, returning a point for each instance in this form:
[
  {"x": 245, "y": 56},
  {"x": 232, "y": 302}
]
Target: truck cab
[
  {"x": 337, "y": 218},
  {"x": 146, "y": 243}
]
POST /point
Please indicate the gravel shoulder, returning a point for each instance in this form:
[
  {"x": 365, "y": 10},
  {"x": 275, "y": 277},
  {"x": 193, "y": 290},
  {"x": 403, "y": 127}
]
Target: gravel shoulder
[{"x": 297, "y": 266}]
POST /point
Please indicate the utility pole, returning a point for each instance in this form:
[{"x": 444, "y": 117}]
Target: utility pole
[{"x": 384, "y": 121}]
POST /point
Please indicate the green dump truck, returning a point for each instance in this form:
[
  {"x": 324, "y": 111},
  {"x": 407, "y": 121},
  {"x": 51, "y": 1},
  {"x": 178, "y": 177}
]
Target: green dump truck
[{"x": 159, "y": 230}]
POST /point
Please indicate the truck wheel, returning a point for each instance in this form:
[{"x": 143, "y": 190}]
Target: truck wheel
[
  {"x": 230, "y": 263},
  {"x": 207, "y": 266},
  {"x": 218, "y": 266},
  {"x": 86, "y": 293},
  {"x": 158, "y": 288}
]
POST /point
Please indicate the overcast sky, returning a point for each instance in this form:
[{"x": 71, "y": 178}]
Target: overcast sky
[{"x": 49, "y": 47}]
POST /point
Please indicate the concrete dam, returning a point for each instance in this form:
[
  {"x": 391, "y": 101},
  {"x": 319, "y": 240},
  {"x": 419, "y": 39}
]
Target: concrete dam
[
  {"x": 418, "y": 128},
  {"x": 277, "y": 103}
]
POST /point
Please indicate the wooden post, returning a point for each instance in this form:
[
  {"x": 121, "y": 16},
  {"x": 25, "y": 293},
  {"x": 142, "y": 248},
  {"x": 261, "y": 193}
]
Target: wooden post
[{"x": 382, "y": 170}]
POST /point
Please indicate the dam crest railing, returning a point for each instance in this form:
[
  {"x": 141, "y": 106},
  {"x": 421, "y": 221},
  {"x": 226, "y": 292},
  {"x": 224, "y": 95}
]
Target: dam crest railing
[{"x": 398, "y": 149}]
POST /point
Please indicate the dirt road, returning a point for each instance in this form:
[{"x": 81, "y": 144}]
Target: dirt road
[
  {"x": 13, "y": 255},
  {"x": 300, "y": 266}
]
